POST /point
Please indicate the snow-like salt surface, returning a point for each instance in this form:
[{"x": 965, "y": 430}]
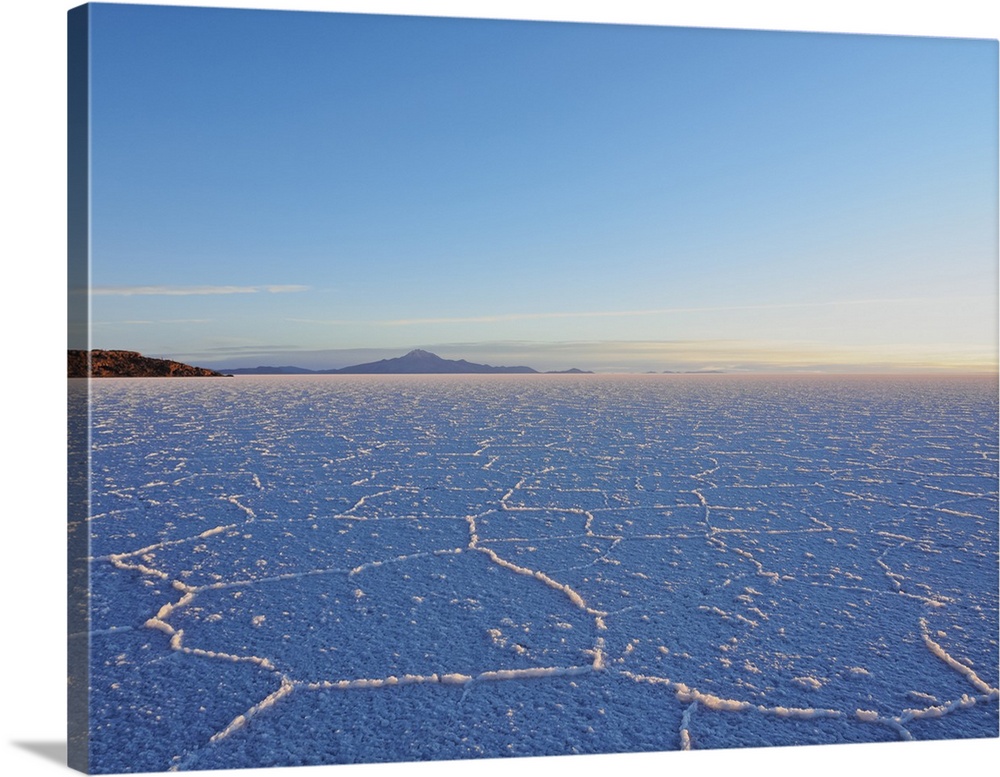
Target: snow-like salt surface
[{"x": 329, "y": 570}]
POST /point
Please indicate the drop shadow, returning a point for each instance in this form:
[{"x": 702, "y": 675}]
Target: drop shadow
[{"x": 50, "y": 751}]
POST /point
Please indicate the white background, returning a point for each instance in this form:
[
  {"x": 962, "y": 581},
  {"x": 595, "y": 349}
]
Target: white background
[{"x": 32, "y": 474}]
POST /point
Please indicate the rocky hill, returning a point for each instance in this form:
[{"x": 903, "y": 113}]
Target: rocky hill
[{"x": 129, "y": 364}]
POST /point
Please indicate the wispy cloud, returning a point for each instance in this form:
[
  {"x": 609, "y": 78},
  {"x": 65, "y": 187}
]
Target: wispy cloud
[
  {"x": 188, "y": 291},
  {"x": 149, "y": 322},
  {"x": 491, "y": 319},
  {"x": 253, "y": 349},
  {"x": 584, "y": 314},
  {"x": 334, "y": 321}
]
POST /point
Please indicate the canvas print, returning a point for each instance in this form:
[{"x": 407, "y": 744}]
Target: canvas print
[{"x": 453, "y": 388}]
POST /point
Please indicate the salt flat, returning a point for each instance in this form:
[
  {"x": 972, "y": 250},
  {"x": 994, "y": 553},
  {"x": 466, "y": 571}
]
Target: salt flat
[{"x": 340, "y": 569}]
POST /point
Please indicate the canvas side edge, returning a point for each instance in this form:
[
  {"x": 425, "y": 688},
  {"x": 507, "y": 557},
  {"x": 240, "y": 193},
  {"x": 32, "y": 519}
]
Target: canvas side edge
[{"x": 78, "y": 390}]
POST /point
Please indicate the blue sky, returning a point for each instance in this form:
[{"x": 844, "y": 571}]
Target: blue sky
[{"x": 322, "y": 189}]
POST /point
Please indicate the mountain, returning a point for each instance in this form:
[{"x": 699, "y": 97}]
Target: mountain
[
  {"x": 416, "y": 362},
  {"x": 420, "y": 362},
  {"x": 130, "y": 364}
]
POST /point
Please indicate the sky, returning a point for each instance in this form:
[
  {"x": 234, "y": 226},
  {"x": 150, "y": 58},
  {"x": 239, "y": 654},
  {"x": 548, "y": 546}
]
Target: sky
[{"x": 321, "y": 189}]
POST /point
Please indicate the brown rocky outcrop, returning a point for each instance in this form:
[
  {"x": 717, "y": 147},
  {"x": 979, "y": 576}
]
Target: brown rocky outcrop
[{"x": 129, "y": 364}]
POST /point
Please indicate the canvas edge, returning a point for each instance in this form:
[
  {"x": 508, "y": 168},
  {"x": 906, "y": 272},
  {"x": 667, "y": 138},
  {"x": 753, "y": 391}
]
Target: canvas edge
[
  {"x": 78, "y": 389},
  {"x": 78, "y": 336}
]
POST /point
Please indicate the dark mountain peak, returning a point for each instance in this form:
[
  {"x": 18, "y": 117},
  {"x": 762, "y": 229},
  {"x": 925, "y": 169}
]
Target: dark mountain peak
[
  {"x": 421, "y": 362},
  {"x": 418, "y": 356}
]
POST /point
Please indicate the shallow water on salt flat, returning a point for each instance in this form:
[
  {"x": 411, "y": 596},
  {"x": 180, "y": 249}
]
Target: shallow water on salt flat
[{"x": 337, "y": 569}]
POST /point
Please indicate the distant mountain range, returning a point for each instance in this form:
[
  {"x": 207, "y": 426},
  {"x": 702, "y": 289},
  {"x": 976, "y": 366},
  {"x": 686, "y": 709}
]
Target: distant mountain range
[
  {"x": 416, "y": 362},
  {"x": 130, "y": 364}
]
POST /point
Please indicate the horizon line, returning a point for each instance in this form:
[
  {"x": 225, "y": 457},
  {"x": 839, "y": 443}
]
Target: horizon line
[{"x": 709, "y": 365}]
